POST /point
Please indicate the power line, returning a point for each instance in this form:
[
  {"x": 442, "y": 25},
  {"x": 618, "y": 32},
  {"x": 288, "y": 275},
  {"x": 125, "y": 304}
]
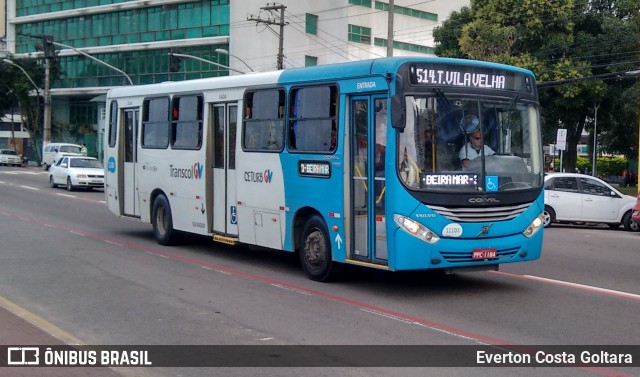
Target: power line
[
  {"x": 619, "y": 75},
  {"x": 274, "y": 21}
]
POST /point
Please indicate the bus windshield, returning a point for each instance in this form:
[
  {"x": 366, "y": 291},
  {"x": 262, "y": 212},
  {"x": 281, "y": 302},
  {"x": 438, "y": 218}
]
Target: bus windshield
[{"x": 469, "y": 144}]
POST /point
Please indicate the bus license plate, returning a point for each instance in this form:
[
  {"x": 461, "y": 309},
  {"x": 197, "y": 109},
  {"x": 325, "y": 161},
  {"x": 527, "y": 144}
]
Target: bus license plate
[{"x": 484, "y": 253}]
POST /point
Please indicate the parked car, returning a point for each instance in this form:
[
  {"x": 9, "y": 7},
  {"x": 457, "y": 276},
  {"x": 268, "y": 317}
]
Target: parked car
[
  {"x": 635, "y": 215},
  {"x": 572, "y": 197},
  {"x": 10, "y": 157},
  {"x": 54, "y": 151},
  {"x": 77, "y": 171}
]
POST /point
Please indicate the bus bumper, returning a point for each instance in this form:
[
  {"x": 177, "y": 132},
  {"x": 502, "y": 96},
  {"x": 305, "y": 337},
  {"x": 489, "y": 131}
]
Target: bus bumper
[{"x": 451, "y": 253}]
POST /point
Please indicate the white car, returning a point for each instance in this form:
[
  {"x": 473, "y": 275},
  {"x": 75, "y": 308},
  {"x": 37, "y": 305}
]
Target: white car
[
  {"x": 10, "y": 157},
  {"x": 77, "y": 171},
  {"x": 571, "y": 197}
]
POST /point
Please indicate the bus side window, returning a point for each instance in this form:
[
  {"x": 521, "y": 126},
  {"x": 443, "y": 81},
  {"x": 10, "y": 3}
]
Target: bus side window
[
  {"x": 313, "y": 119},
  {"x": 155, "y": 123},
  {"x": 264, "y": 120},
  {"x": 186, "y": 122}
]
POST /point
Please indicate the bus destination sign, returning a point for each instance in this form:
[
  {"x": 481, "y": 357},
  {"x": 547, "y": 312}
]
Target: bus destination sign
[
  {"x": 468, "y": 77},
  {"x": 314, "y": 169}
]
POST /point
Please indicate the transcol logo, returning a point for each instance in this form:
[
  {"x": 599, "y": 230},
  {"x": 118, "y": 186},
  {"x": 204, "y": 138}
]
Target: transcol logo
[{"x": 193, "y": 172}]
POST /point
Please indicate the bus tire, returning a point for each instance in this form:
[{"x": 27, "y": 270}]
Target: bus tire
[
  {"x": 315, "y": 250},
  {"x": 162, "y": 221}
]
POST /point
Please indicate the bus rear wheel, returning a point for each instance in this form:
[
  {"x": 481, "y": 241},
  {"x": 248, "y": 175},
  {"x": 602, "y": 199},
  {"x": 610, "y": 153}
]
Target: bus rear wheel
[
  {"x": 315, "y": 250},
  {"x": 162, "y": 222}
]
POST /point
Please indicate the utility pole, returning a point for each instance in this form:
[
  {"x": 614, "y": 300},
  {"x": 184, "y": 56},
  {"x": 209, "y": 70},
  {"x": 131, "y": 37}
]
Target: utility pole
[
  {"x": 595, "y": 139},
  {"x": 390, "y": 28},
  {"x": 273, "y": 21}
]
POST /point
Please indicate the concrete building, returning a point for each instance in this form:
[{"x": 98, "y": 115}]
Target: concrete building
[{"x": 135, "y": 36}]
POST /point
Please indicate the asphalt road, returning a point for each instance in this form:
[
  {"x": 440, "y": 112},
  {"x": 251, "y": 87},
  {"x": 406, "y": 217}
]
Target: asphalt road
[{"x": 103, "y": 280}]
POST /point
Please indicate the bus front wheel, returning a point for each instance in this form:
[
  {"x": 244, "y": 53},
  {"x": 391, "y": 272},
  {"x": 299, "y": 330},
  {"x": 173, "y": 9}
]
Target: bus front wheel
[
  {"x": 162, "y": 223},
  {"x": 315, "y": 250}
]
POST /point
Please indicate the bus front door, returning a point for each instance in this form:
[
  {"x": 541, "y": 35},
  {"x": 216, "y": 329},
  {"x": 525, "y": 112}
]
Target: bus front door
[
  {"x": 129, "y": 183},
  {"x": 223, "y": 142},
  {"x": 368, "y": 118}
]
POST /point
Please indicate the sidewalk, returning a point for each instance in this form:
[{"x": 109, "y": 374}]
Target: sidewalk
[{"x": 17, "y": 331}]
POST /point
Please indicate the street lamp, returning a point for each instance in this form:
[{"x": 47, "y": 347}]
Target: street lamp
[
  {"x": 8, "y": 61},
  {"x": 204, "y": 61},
  {"x": 123, "y": 73},
  {"x": 223, "y": 51}
]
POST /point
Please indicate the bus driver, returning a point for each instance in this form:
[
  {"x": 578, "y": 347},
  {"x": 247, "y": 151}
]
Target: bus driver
[{"x": 470, "y": 124}]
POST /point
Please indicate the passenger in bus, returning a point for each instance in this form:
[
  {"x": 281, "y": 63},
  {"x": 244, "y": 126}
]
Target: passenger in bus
[{"x": 470, "y": 124}]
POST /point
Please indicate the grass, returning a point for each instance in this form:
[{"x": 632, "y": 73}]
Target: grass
[{"x": 633, "y": 190}]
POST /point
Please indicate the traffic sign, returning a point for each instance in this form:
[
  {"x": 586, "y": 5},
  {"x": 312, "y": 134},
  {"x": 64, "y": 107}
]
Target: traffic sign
[{"x": 561, "y": 139}]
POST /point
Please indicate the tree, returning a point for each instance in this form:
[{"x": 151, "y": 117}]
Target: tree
[
  {"x": 448, "y": 35},
  {"x": 18, "y": 92}
]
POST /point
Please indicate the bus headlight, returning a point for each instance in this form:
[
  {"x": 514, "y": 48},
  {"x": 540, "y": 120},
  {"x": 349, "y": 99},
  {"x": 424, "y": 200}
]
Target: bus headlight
[
  {"x": 416, "y": 229},
  {"x": 534, "y": 227}
]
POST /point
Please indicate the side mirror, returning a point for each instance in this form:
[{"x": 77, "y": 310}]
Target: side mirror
[{"x": 397, "y": 113}]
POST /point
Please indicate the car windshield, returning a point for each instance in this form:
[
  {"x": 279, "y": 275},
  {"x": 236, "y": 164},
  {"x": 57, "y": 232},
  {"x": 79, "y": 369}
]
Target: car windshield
[
  {"x": 10, "y": 152},
  {"x": 469, "y": 144},
  {"x": 70, "y": 149},
  {"x": 85, "y": 163}
]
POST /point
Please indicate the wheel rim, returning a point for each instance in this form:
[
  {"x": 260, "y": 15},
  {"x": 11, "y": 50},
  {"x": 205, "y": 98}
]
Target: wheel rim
[
  {"x": 315, "y": 249},
  {"x": 634, "y": 226},
  {"x": 69, "y": 184},
  {"x": 546, "y": 218},
  {"x": 161, "y": 220}
]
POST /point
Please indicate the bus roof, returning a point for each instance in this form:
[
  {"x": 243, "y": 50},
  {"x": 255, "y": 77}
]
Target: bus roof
[{"x": 326, "y": 72}]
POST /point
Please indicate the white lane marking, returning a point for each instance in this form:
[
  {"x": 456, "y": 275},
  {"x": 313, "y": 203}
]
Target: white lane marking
[
  {"x": 67, "y": 195},
  {"x": 113, "y": 243},
  {"x": 291, "y": 289},
  {"x": 30, "y": 188},
  {"x": 410, "y": 322},
  {"x": 585, "y": 287}
]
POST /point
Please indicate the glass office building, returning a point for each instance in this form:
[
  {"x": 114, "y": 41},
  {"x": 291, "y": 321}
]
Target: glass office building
[{"x": 135, "y": 37}]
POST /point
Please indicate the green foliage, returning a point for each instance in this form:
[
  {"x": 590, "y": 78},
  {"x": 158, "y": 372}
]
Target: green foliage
[
  {"x": 611, "y": 165},
  {"x": 582, "y": 163},
  {"x": 449, "y": 33}
]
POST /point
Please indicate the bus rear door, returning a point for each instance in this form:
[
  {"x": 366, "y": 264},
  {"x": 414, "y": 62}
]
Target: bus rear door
[
  {"x": 368, "y": 118},
  {"x": 223, "y": 139},
  {"x": 129, "y": 181}
]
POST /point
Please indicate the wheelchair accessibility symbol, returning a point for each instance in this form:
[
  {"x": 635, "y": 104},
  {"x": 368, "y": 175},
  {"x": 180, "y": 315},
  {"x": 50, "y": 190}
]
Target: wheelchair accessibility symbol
[{"x": 491, "y": 183}]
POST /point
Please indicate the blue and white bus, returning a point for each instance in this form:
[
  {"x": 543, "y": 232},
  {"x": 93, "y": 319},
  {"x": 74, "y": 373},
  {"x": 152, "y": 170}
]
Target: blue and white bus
[{"x": 366, "y": 163}]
